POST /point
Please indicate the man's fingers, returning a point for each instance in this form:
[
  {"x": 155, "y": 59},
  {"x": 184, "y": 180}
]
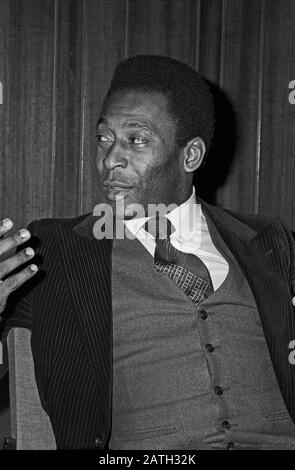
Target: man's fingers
[
  {"x": 15, "y": 261},
  {"x": 13, "y": 282},
  {"x": 5, "y": 226},
  {"x": 16, "y": 239},
  {"x": 11, "y": 261}
]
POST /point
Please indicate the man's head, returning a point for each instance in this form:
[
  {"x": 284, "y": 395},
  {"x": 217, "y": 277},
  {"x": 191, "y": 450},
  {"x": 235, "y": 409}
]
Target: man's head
[{"x": 155, "y": 127}]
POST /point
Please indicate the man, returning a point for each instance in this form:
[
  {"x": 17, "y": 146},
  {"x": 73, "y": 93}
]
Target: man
[{"x": 180, "y": 342}]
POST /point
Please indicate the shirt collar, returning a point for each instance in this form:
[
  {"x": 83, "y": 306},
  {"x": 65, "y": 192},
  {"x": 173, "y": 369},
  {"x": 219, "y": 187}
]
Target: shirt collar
[{"x": 186, "y": 219}]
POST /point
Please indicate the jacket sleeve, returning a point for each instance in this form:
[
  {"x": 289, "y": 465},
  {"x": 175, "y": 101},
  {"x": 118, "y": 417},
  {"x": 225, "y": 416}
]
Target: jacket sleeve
[{"x": 291, "y": 256}]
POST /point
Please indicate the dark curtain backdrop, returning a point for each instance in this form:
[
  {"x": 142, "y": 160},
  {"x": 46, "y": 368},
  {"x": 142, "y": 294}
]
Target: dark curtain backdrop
[{"x": 56, "y": 59}]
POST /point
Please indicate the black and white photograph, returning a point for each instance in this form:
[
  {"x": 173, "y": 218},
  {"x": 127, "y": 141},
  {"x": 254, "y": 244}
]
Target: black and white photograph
[{"x": 147, "y": 229}]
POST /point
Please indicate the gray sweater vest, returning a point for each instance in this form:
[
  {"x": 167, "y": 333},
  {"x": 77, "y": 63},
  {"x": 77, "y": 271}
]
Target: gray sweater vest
[{"x": 186, "y": 376}]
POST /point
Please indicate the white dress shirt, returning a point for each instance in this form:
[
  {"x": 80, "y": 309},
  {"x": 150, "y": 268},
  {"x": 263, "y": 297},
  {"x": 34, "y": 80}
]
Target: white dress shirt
[{"x": 191, "y": 235}]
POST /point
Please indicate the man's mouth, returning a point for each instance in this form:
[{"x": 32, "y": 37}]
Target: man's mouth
[{"x": 116, "y": 189}]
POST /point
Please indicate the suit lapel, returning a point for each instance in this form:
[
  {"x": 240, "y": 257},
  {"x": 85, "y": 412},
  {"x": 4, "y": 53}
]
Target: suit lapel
[
  {"x": 262, "y": 260},
  {"x": 87, "y": 268}
]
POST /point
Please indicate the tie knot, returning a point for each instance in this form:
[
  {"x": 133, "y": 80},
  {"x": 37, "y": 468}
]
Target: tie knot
[{"x": 159, "y": 227}]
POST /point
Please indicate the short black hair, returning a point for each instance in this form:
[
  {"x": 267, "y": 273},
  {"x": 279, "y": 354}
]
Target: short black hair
[{"x": 189, "y": 97}]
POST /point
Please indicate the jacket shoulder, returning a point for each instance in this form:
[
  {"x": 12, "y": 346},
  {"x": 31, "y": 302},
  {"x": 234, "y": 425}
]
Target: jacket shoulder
[
  {"x": 257, "y": 222},
  {"x": 47, "y": 225}
]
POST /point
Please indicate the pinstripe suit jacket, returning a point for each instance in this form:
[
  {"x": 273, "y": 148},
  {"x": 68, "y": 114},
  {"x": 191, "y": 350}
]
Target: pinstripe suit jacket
[{"x": 69, "y": 311}]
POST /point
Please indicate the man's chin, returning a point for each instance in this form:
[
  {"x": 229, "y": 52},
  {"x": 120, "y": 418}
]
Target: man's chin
[
  {"x": 125, "y": 208},
  {"x": 130, "y": 211}
]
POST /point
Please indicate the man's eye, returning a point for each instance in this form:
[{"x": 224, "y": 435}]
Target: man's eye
[
  {"x": 138, "y": 140},
  {"x": 102, "y": 139}
]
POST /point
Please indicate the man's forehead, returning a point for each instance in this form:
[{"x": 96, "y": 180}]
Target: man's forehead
[
  {"x": 126, "y": 120},
  {"x": 131, "y": 109}
]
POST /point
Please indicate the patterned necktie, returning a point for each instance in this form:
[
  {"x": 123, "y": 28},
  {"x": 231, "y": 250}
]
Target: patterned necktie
[{"x": 186, "y": 270}]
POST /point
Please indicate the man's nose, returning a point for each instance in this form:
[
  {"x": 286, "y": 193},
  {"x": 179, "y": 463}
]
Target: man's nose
[{"x": 115, "y": 157}]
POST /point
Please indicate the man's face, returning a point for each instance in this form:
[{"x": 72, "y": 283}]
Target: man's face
[{"x": 137, "y": 158}]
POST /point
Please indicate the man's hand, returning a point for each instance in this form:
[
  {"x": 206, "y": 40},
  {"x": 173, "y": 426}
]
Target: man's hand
[
  {"x": 8, "y": 263},
  {"x": 293, "y": 301}
]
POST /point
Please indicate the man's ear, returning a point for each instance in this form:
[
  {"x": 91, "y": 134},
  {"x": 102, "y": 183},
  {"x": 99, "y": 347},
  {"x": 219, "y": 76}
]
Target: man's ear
[{"x": 193, "y": 154}]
